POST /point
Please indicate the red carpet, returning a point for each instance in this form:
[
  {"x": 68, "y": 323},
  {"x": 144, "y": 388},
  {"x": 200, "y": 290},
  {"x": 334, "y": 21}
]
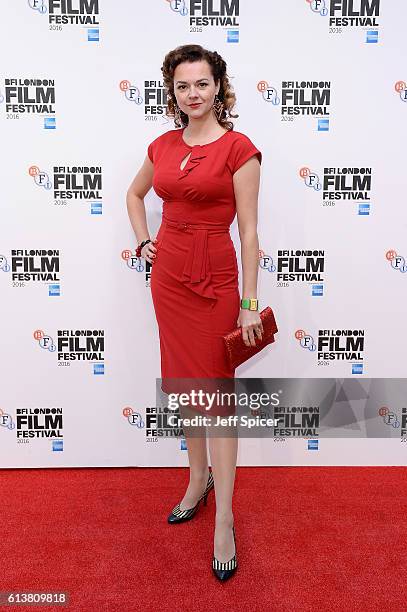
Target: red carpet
[{"x": 307, "y": 538}]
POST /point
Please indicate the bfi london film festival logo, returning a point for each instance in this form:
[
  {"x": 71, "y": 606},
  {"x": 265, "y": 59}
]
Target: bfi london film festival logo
[
  {"x": 159, "y": 422},
  {"x": 162, "y": 422},
  {"x": 83, "y": 345},
  {"x": 79, "y": 13},
  {"x": 24, "y": 97},
  {"x": 346, "y": 15},
  {"x": 391, "y": 419},
  {"x": 340, "y": 345},
  {"x": 297, "y": 266},
  {"x": 133, "y": 417},
  {"x": 300, "y": 98},
  {"x": 401, "y": 88},
  {"x": 297, "y": 422},
  {"x": 6, "y": 420},
  {"x": 40, "y": 423},
  {"x": 35, "y": 424},
  {"x": 346, "y": 184},
  {"x": 67, "y": 184},
  {"x": 139, "y": 264},
  {"x": 152, "y": 96},
  {"x": 397, "y": 262},
  {"x": 34, "y": 266},
  {"x": 155, "y": 424},
  {"x": 202, "y": 15}
]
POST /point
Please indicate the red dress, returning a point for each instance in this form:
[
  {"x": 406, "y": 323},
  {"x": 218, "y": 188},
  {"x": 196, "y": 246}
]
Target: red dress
[{"x": 194, "y": 279}]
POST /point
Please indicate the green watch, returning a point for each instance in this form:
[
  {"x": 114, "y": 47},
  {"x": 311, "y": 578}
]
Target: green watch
[{"x": 249, "y": 303}]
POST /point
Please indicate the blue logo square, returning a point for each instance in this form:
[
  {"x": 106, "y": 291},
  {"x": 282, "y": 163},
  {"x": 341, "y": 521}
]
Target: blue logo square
[
  {"x": 372, "y": 36},
  {"x": 50, "y": 123},
  {"x": 98, "y": 368},
  {"x": 96, "y": 208},
  {"x": 54, "y": 290},
  {"x": 364, "y": 209},
  {"x": 93, "y": 34},
  {"x": 323, "y": 125},
  {"x": 232, "y": 36},
  {"x": 357, "y": 368}
]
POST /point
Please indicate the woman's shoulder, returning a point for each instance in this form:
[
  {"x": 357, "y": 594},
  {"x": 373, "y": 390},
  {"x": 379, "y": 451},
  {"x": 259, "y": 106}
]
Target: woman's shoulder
[
  {"x": 166, "y": 136},
  {"x": 161, "y": 142},
  {"x": 240, "y": 141},
  {"x": 240, "y": 136},
  {"x": 242, "y": 148}
]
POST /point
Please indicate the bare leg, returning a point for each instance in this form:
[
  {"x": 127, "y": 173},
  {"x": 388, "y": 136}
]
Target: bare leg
[
  {"x": 198, "y": 464},
  {"x": 223, "y": 453}
]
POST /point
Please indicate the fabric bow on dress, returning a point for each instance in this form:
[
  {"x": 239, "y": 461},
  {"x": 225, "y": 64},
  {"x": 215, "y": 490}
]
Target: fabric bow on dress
[{"x": 193, "y": 161}]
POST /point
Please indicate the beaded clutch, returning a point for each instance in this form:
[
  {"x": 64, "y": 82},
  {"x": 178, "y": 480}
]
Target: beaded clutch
[{"x": 237, "y": 350}]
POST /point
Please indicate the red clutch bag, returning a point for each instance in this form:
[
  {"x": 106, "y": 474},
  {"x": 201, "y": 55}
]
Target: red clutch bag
[{"x": 237, "y": 350}]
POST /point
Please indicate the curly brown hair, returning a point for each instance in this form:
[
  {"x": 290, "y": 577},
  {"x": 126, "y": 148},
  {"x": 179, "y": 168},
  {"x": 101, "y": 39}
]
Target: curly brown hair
[{"x": 195, "y": 53}]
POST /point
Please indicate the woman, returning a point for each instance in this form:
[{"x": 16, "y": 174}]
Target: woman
[{"x": 205, "y": 173}]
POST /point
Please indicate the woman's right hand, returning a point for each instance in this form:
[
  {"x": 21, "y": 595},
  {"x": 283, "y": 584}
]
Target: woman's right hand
[{"x": 149, "y": 251}]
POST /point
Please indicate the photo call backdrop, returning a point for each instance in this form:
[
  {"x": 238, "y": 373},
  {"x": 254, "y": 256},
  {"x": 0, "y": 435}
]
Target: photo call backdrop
[{"x": 321, "y": 91}]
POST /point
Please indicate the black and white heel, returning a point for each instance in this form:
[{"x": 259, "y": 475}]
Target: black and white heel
[
  {"x": 225, "y": 570},
  {"x": 179, "y": 516}
]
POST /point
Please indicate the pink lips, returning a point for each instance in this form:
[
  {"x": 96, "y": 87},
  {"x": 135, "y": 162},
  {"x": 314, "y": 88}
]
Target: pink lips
[{"x": 195, "y": 105}]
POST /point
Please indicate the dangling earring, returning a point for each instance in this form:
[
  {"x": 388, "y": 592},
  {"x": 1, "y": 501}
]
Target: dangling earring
[
  {"x": 218, "y": 107},
  {"x": 177, "y": 114}
]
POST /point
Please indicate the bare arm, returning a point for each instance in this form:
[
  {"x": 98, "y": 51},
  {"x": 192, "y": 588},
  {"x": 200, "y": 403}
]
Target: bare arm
[
  {"x": 139, "y": 187},
  {"x": 246, "y": 182}
]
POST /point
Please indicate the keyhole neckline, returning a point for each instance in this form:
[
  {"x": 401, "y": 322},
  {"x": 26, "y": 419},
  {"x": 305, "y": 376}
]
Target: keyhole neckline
[{"x": 197, "y": 145}]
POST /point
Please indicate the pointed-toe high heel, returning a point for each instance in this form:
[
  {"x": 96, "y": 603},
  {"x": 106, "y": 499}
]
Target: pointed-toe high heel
[
  {"x": 225, "y": 570},
  {"x": 179, "y": 516}
]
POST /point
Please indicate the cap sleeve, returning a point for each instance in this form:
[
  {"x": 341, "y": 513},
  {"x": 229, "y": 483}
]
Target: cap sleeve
[
  {"x": 150, "y": 151},
  {"x": 241, "y": 150}
]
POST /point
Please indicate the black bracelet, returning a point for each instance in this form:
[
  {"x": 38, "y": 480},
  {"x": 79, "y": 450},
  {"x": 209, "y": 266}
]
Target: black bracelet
[{"x": 140, "y": 246}]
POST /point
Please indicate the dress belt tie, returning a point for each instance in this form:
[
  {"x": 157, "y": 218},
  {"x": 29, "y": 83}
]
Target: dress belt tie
[{"x": 197, "y": 273}]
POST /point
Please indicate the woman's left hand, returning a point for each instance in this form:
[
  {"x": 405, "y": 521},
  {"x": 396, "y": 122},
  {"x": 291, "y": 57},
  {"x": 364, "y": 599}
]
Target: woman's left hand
[{"x": 252, "y": 327}]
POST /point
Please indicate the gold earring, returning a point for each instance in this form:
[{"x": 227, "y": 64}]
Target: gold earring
[
  {"x": 218, "y": 107},
  {"x": 177, "y": 114}
]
